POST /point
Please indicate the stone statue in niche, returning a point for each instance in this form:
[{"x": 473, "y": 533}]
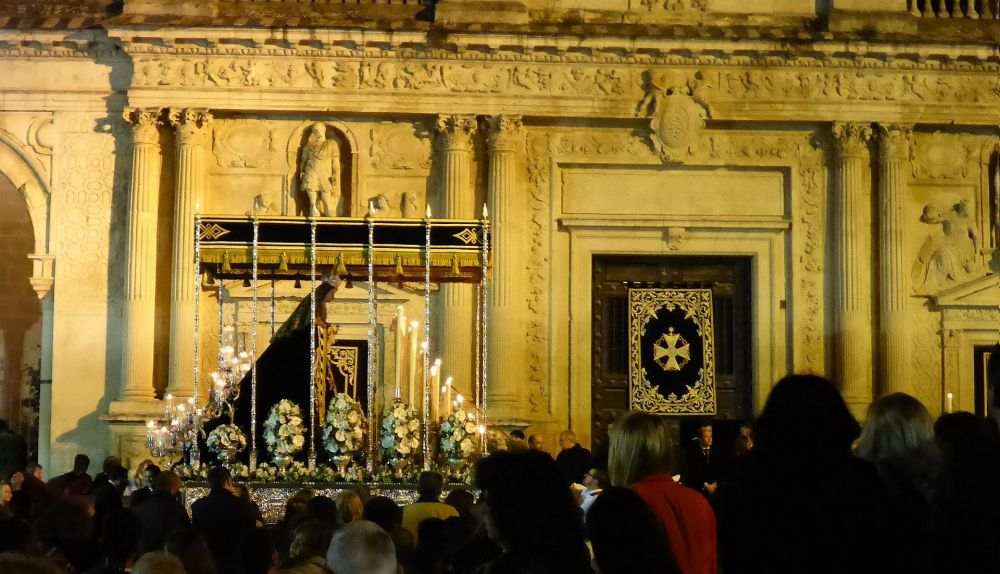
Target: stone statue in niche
[
  {"x": 319, "y": 172},
  {"x": 951, "y": 257}
]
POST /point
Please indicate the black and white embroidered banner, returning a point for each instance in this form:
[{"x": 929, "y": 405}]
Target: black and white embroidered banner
[{"x": 671, "y": 351}]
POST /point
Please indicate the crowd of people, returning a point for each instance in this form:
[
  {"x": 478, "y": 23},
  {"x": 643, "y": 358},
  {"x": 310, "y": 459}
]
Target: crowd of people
[{"x": 807, "y": 489}]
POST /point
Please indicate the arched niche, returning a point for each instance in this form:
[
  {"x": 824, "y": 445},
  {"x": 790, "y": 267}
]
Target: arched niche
[
  {"x": 339, "y": 132},
  {"x": 26, "y": 175}
]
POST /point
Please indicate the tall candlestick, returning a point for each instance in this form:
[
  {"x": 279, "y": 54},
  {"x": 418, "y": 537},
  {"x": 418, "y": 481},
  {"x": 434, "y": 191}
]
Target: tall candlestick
[
  {"x": 415, "y": 373},
  {"x": 948, "y": 400}
]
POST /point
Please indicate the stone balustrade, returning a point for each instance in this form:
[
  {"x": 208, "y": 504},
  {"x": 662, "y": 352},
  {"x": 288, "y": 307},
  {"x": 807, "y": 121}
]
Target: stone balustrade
[{"x": 972, "y": 9}]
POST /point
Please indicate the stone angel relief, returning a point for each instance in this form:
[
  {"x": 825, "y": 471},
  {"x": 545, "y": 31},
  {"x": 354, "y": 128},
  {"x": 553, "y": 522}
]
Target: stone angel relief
[
  {"x": 951, "y": 257},
  {"x": 319, "y": 172}
]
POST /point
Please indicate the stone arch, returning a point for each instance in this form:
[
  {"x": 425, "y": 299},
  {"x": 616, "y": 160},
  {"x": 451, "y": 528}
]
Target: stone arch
[
  {"x": 350, "y": 163},
  {"x": 26, "y": 175}
]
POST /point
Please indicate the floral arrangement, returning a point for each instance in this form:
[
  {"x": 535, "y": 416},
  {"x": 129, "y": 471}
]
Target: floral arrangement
[
  {"x": 399, "y": 438},
  {"x": 344, "y": 431},
  {"x": 225, "y": 441},
  {"x": 284, "y": 432},
  {"x": 459, "y": 438}
]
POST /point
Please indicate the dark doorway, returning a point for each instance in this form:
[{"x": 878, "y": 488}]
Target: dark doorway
[{"x": 729, "y": 279}]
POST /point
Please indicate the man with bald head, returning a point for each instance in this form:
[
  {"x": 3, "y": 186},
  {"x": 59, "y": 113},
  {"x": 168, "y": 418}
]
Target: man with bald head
[
  {"x": 573, "y": 460},
  {"x": 361, "y": 547}
]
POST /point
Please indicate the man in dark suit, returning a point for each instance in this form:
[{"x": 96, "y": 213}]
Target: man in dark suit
[
  {"x": 703, "y": 463},
  {"x": 573, "y": 460},
  {"x": 223, "y": 520},
  {"x": 160, "y": 513},
  {"x": 149, "y": 474}
]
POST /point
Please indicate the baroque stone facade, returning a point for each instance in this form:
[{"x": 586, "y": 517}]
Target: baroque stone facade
[{"x": 857, "y": 171}]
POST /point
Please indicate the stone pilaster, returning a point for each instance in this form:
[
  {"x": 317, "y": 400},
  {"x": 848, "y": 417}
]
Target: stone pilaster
[
  {"x": 455, "y": 308},
  {"x": 507, "y": 354},
  {"x": 190, "y": 179},
  {"x": 852, "y": 205},
  {"x": 894, "y": 290},
  {"x": 140, "y": 254}
]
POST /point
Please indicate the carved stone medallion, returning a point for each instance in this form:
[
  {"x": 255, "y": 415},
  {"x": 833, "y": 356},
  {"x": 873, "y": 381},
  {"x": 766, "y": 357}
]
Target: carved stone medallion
[{"x": 676, "y": 126}]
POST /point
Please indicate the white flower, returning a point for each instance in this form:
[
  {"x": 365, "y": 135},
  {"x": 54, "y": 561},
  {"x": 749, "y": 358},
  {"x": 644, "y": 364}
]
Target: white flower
[
  {"x": 341, "y": 436},
  {"x": 298, "y": 440},
  {"x": 352, "y": 417},
  {"x": 470, "y": 428}
]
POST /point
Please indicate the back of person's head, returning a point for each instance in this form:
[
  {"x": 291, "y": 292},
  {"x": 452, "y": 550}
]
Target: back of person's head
[
  {"x": 600, "y": 476},
  {"x": 322, "y": 508},
  {"x": 640, "y": 446},
  {"x": 429, "y": 486},
  {"x": 295, "y": 511},
  {"x": 17, "y": 536},
  {"x": 21, "y": 564},
  {"x": 219, "y": 477},
  {"x": 242, "y": 492},
  {"x": 259, "y": 554},
  {"x": 349, "y": 506},
  {"x": 32, "y": 467},
  {"x": 81, "y": 463},
  {"x": 516, "y": 434},
  {"x": 312, "y": 538},
  {"x": 151, "y": 469},
  {"x": 361, "y": 547},
  {"x": 461, "y": 500},
  {"x": 961, "y": 434},
  {"x": 119, "y": 536},
  {"x": 167, "y": 482},
  {"x": 159, "y": 563},
  {"x": 567, "y": 439},
  {"x": 626, "y": 536},
  {"x": 530, "y": 507},
  {"x": 383, "y": 511},
  {"x": 190, "y": 547},
  {"x": 110, "y": 464},
  {"x": 805, "y": 415},
  {"x": 897, "y": 424}
]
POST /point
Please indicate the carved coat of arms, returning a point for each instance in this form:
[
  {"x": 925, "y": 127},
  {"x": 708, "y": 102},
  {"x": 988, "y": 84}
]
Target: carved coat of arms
[{"x": 676, "y": 124}]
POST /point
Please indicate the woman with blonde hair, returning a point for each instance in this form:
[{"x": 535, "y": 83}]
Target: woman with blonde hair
[
  {"x": 639, "y": 457},
  {"x": 898, "y": 438},
  {"x": 349, "y": 506}
]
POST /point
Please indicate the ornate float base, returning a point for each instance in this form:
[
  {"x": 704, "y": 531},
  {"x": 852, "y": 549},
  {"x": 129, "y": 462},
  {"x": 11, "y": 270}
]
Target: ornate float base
[{"x": 272, "y": 496}]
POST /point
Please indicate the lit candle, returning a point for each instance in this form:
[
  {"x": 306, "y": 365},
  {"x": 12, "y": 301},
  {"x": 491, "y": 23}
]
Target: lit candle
[
  {"x": 435, "y": 404},
  {"x": 150, "y": 425},
  {"x": 948, "y": 402},
  {"x": 447, "y": 396},
  {"x": 400, "y": 345},
  {"x": 458, "y": 402},
  {"x": 412, "y": 372}
]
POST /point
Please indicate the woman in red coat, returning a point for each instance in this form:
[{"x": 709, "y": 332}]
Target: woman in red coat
[{"x": 639, "y": 457}]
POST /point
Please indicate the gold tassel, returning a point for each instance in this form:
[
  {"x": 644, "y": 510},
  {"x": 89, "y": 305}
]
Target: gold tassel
[
  {"x": 226, "y": 268},
  {"x": 283, "y": 262},
  {"x": 399, "y": 265},
  {"x": 454, "y": 265},
  {"x": 341, "y": 267}
]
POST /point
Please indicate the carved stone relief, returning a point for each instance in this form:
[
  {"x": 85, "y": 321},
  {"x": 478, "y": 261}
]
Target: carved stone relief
[
  {"x": 603, "y": 77},
  {"x": 943, "y": 156},
  {"x": 243, "y": 144},
  {"x": 949, "y": 257},
  {"x": 400, "y": 146}
]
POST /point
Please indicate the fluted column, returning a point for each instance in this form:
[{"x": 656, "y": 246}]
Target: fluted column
[
  {"x": 190, "y": 178},
  {"x": 507, "y": 302},
  {"x": 140, "y": 277},
  {"x": 852, "y": 197},
  {"x": 894, "y": 290},
  {"x": 455, "y": 308}
]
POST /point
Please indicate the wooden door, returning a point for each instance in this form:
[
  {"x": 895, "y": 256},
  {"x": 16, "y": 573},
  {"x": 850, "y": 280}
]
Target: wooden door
[{"x": 729, "y": 279}]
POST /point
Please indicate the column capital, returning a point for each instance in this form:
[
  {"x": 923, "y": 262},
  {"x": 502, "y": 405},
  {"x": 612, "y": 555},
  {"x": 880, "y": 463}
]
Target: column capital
[
  {"x": 506, "y": 133},
  {"x": 851, "y": 139},
  {"x": 145, "y": 123},
  {"x": 191, "y": 124},
  {"x": 894, "y": 140},
  {"x": 455, "y": 132}
]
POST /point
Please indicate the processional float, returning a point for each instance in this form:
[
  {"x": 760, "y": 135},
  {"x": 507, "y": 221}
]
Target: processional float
[{"x": 257, "y": 248}]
